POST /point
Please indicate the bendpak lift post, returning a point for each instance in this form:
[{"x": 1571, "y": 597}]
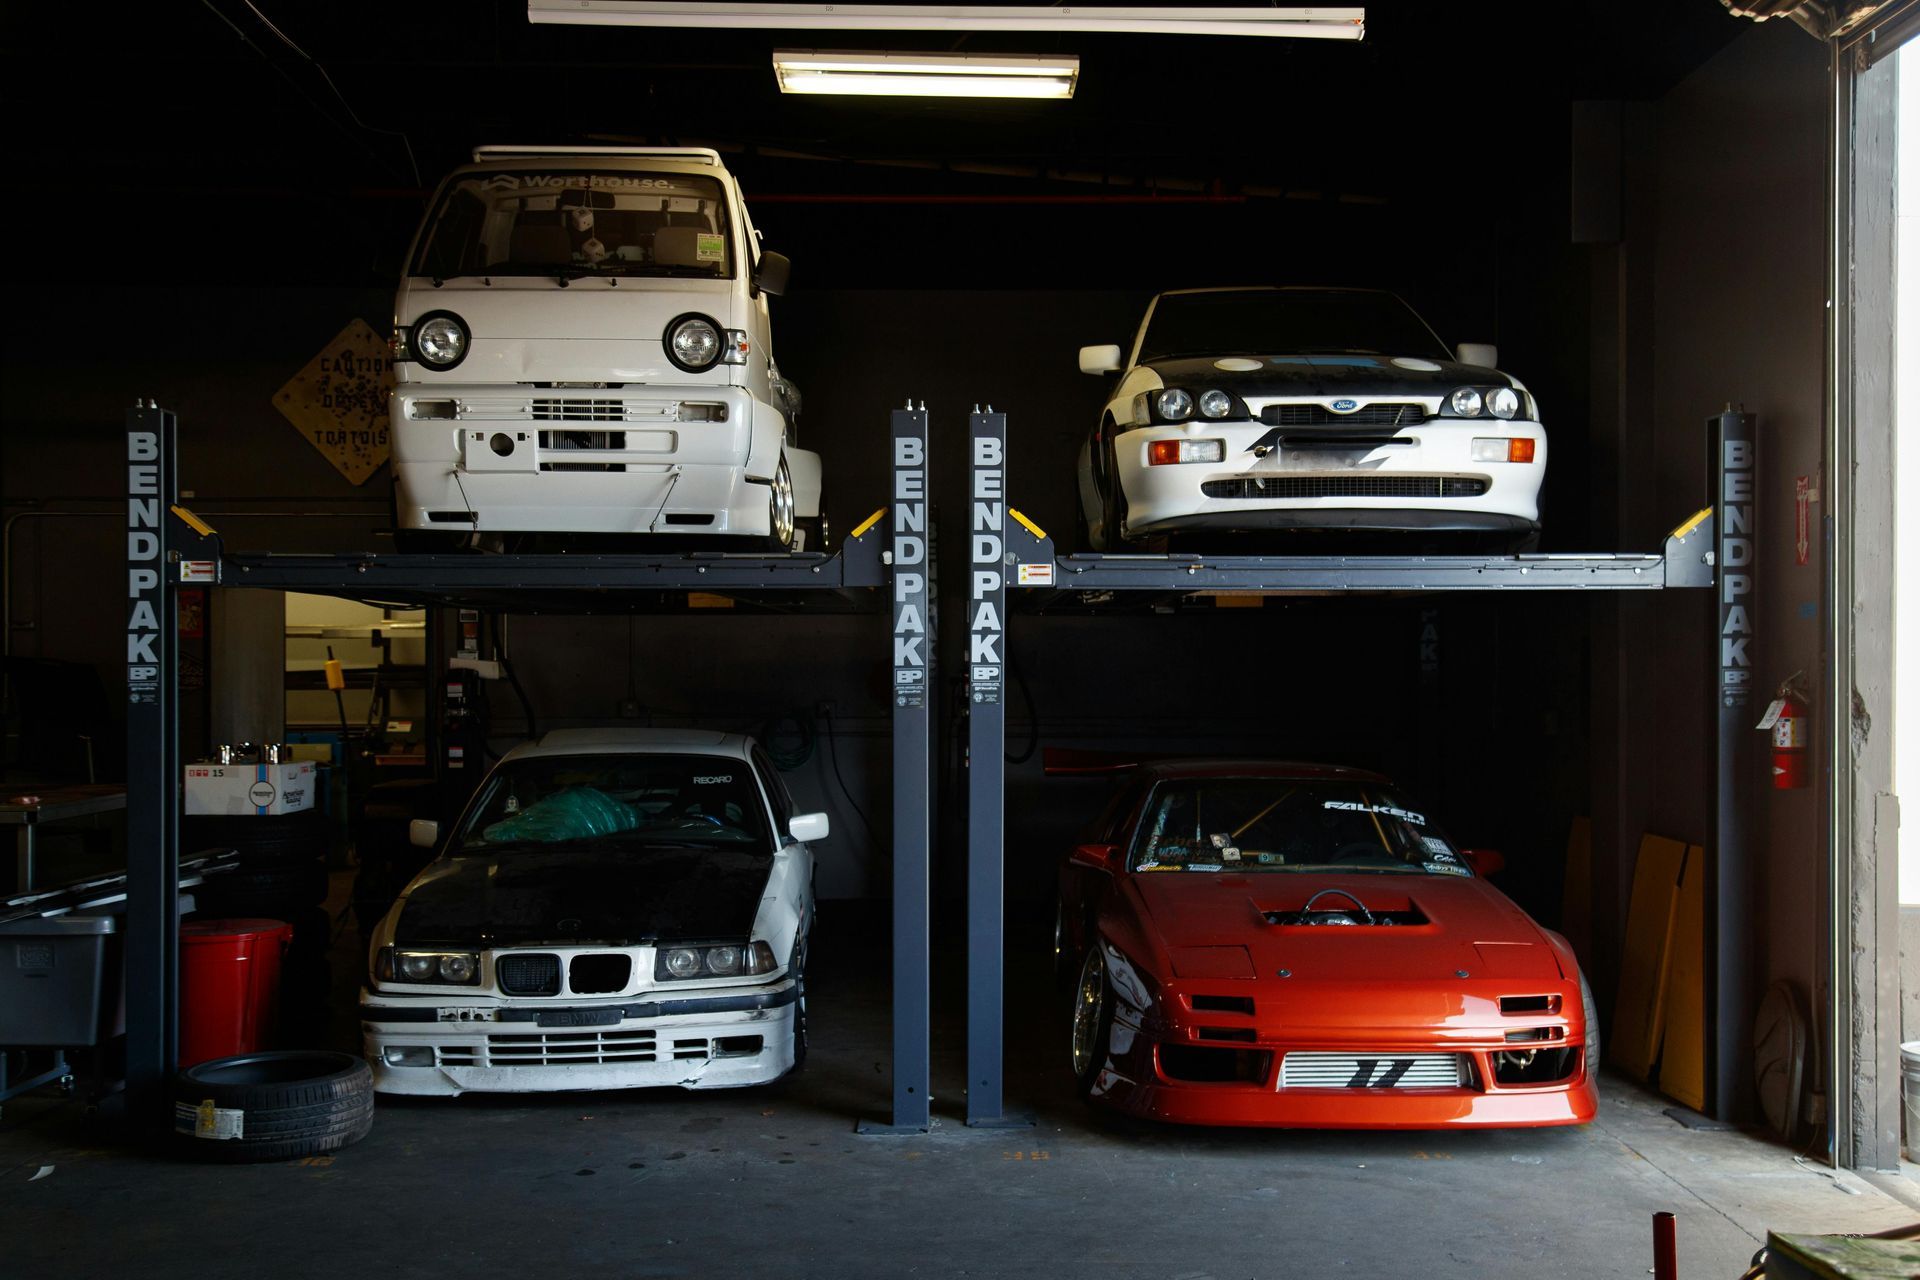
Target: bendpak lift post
[
  {"x": 1690, "y": 559},
  {"x": 168, "y": 547}
]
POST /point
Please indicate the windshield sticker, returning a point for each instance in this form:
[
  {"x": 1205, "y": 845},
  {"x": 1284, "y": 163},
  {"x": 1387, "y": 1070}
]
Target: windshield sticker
[
  {"x": 1203, "y": 866},
  {"x": 1269, "y": 857},
  {"x": 1160, "y": 866},
  {"x": 709, "y": 247},
  {"x": 1230, "y": 854},
  {"x": 712, "y": 779},
  {"x": 1445, "y": 869},
  {"x": 1418, "y": 819},
  {"x": 1438, "y": 848},
  {"x": 602, "y": 181}
]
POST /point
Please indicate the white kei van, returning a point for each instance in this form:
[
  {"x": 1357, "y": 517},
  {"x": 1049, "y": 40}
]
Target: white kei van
[{"x": 582, "y": 347}]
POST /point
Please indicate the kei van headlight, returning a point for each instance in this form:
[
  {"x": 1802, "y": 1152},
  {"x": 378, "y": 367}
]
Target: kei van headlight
[
  {"x": 722, "y": 960},
  {"x": 696, "y": 343},
  {"x": 438, "y": 340},
  {"x": 451, "y": 968}
]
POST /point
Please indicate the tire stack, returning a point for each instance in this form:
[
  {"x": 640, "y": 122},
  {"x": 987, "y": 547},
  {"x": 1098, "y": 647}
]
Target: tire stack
[{"x": 282, "y": 876}]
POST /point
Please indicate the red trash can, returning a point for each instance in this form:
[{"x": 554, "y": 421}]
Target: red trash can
[{"x": 229, "y": 986}]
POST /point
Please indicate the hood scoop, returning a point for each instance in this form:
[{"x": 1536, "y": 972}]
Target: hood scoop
[{"x": 1338, "y": 908}]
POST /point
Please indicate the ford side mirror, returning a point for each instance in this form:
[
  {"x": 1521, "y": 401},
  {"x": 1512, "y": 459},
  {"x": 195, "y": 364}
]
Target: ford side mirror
[
  {"x": 808, "y": 827},
  {"x": 1097, "y": 857},
  {"x": 1484, "y": 862},
  {"x": 423, "y": 833},
  {"x": 1483, "y": 355},
  {"x": 773, "y": 272},
  {"x": 1099, "y": 360}
]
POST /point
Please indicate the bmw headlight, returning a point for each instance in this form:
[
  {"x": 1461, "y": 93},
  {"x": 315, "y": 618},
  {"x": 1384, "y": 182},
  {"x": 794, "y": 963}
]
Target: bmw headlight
[
  {"x": 1173, "y": 405},
  {"x": 451, "y": 968},
  {"x": 439, "y": 340},
  {"x": 1503, "y": 402},
  {"x": 1465, "y": 403},
  {"x": 1215, "y": 404},
  {"x": 722, "y": 960}
]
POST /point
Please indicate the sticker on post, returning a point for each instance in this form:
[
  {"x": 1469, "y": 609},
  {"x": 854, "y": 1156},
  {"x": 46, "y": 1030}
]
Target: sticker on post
[
  {"x": 709, "y": 247},
  {"x": 1036, "y": 575},
  {"x": 197, "y": 571}
]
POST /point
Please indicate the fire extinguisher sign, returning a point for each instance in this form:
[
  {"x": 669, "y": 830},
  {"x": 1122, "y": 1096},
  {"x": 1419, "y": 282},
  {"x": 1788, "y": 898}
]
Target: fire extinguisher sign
[{"x": 1735, "y": 465}]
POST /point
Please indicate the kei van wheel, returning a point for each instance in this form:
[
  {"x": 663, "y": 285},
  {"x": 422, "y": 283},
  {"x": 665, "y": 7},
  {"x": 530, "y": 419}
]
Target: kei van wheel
[
  {"x": 1090, "y": 1022},
  {"x": 780, "y": 509}
]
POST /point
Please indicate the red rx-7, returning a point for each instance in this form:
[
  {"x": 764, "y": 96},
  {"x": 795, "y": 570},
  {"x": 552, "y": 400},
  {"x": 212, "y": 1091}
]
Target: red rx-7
[{"x": 1300, "y": 946}]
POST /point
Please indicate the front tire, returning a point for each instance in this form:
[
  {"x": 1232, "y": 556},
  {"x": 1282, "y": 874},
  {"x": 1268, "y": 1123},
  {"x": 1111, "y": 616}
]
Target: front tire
[
  {"x": 1090, "y": 1020},
  {"x": 1591, "y": 1013},
  {"x": 780, "y": 510},
  {"x": 799, "y": 966}
]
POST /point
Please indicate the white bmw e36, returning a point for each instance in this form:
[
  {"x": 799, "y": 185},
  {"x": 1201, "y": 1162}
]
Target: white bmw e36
[
  {"x": 615, "y": 908},
  {"x": 1247, "y": 409}
]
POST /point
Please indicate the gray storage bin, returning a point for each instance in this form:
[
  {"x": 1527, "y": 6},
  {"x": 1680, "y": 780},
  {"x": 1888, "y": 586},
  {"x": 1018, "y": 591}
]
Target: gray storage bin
[{"x": 52, "y": 976}]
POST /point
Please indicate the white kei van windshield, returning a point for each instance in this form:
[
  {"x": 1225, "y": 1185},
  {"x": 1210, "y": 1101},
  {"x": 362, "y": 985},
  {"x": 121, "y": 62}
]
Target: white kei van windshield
[{"x": 570, "y": 223}]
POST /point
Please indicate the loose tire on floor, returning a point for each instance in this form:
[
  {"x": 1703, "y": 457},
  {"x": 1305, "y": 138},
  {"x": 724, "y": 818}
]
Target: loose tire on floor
[{"x": 272, "y": 1106}]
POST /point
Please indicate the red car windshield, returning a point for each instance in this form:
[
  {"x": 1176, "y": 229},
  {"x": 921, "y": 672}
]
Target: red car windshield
[{"x": 1287, "y": 824}]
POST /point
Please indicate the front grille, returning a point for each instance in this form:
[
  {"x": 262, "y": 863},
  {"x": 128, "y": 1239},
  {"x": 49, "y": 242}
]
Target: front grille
[
  {"x": 583, "y": 439},
  {"x": 1221, "y": 1004},
  {"x": 1361, "y": 485},
  {"x": 559, "y": 410},
  {"x": 1375, "y": 1071},
  {"x": 576, "y": 1048},
  {"x": 528, "y": 975},
  {"x": 600, "y": 974},
  {"x": 1386, "y": 413}
]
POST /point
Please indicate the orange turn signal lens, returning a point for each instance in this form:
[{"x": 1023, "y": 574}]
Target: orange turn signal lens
[{"x": 1519, "y": 450}]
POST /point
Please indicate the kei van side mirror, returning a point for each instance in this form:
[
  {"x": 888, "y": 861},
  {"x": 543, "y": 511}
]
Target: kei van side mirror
[
  {"x": 1484, "y": 862},
  {"x": 808, "y": 827},
  {"x": 773, "y": 273},
  {"x": 423, "y": 833},
  {"x": 1098, "y": 360},
  {"x": 1483, "y": 355},
  {"x": 1097, "y": 857}
]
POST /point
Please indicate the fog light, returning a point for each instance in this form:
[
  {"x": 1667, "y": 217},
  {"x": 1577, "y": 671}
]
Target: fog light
[
  {"x": 408, "y": 1055},
  {"x": 1161, "y": 453},
  {"x": 1500, "y": 449}
]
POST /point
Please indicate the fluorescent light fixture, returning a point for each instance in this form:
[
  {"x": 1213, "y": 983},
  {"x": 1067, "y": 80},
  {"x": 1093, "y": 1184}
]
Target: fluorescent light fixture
[
  {"x": 925, "y": 75},
  {"x": 1234, "y": 20}
]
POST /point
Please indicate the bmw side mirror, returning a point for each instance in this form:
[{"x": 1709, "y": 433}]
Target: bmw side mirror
[
  {"x": 423, "y": 833},
  {"x": 1098, "y": 360},
  {"x": 1482, "y": 355},
  {"x": 808, "y": 827},
  {"x": 1097, "y": 857},
  {"x": 773, "y": 272},
  {"x": 1484, "y": 862}
]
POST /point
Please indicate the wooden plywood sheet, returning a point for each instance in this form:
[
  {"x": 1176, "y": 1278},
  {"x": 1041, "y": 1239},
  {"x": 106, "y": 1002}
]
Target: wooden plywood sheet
[
  {"x": 1683, "y": 1047},
  {"x": 1640, "y": 1001}
]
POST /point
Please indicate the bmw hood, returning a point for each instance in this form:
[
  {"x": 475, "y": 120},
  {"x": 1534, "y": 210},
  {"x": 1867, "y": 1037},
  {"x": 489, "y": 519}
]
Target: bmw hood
[
  {"x": 657, "y": 893},
  {"x": 1212, "y": 924},
  {"x": 1350, "y": 377}
]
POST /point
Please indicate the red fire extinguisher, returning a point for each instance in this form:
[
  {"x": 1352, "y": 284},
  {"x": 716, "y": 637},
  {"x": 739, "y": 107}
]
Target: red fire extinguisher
[{"x": 1788, "y": 722}]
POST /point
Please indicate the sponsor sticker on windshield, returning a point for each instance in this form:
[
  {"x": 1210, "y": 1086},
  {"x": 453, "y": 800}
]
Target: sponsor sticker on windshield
[
  {"x": 1438, "y": 848},
  {"x": 1405, "y": 815},
  {"x": 709, "y": 246},
  {"x": 1445, "y": 869}
]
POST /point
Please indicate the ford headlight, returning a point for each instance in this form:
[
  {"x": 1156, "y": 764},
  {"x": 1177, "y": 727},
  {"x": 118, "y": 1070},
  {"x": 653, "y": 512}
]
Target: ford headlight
[
  {"x": 1173, "y": 405},
  {"x": 1465, "y": 403},
  {"x": 1503, "y": 402},
  {"x": 439, "y": 340},
  {"x": 724, "y": 960},
  {"x": 1215, "y": 404}
]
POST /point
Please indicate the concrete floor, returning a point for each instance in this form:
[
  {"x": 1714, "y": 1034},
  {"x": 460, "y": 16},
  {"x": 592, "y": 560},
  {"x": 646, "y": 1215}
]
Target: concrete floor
[{"x": 774, "y": 1181}]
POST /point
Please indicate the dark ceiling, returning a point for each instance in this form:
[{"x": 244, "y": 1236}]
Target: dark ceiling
[{"x": 308, "y": 146}]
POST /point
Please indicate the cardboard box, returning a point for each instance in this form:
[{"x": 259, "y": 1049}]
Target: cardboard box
[{"x": 261, "y": 789}]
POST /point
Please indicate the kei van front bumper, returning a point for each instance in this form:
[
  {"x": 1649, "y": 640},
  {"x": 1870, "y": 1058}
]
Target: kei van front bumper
[
  {"x": 441, "y": 1048},
  {"x": 1428, "y": 476}
]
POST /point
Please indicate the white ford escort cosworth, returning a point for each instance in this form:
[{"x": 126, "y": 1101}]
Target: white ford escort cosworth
[
  {"x": 616, "y": 908},
  {"x": 1241, "y": 410},
  {"x": 582, "y": 346}
]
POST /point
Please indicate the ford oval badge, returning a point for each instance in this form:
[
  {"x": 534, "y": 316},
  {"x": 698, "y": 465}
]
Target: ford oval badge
[{"x": 1344, "y": 406}]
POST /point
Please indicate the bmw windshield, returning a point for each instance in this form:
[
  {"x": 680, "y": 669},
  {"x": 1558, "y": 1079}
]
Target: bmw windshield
[
  {"x": 616, "y": 802},
  {"x": 1300, "y": 322},
  {"x": 1287, "y": 824},
  {"x": 569, "y": 223}
]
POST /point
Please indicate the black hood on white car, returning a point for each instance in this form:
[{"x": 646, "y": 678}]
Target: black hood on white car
[
  {"x": 1347, "y": 377},
  {"x": 619, "y": 896}
]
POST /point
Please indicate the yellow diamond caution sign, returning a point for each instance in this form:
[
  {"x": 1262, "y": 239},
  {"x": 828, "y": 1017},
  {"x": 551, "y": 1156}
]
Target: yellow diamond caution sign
[{"x": 339, "y": 401}]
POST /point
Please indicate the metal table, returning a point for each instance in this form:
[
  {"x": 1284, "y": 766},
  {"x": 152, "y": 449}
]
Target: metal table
[{"x": 28, "y": 807}]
